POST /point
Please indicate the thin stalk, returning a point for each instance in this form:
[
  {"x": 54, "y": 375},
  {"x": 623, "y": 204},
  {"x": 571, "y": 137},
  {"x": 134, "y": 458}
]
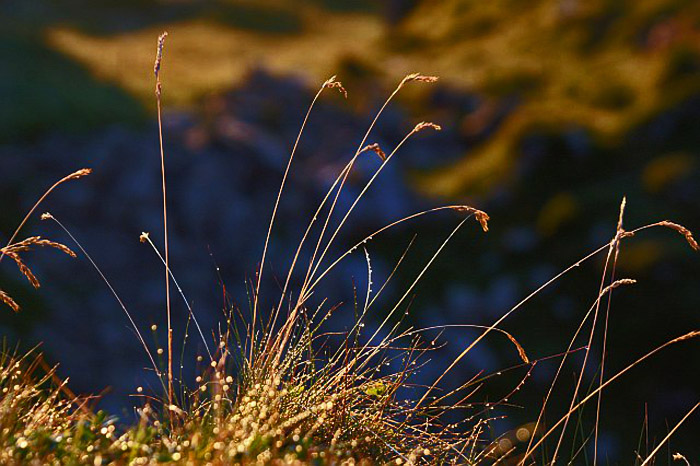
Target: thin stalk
[
  {"x": 506, "y": 315},
  {"x": 364, "y": 190},
  {"x": 540, "y": 417},
  {"x": 668, "y": 436},
  {"x": 618, "y": 234},
  {"x": 48, "y": 216},
  {"x": 329, "y": 83},
  {"x": 146, "y": 237},
  {"x": 158, "y": 91},
  {"x": 346, "y": 171},
  {"x": 613, "y": 246},
  {"x": 651, "y": 353}
]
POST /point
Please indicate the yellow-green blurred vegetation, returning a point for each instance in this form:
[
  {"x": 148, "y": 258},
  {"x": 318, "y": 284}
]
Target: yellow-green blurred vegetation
[
  {"x": 214, "y": 56},
  {"x": 600, "y": 65}
]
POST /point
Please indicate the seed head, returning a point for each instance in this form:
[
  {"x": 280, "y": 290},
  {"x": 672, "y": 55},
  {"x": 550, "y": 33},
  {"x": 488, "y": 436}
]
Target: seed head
[
  {"x": 683, "y": 231},
  {"x": 481, "y": 216},
  {"x": 77, "y": 174},
  {"x": 426, "y": 124},
  {"x": 331, "y": 83},
  {"x": 417, "y": 77},
  {"x": 159, "y": 53},
  {"x": 376, "y": 149},
  {"x": 5, "y": 298}
]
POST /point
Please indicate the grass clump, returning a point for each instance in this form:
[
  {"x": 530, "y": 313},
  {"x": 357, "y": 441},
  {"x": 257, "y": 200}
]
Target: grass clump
[{"x": 279, "y": 388}]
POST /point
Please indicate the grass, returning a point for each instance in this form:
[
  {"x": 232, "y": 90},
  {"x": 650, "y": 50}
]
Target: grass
[{"x": 281, "y": 387}]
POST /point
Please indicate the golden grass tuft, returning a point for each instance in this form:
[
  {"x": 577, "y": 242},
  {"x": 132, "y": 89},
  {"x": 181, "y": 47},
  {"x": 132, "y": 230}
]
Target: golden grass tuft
[{"x": 278, "y": 392}]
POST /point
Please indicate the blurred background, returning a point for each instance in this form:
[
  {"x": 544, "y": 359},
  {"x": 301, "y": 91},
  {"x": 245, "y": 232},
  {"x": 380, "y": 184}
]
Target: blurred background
[{"x": 552, "y": 111}]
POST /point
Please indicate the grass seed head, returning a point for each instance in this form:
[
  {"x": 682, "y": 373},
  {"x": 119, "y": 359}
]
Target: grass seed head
[
  {"x": 331, "y": 83},
  {"x": 159, "y": 54},
  {"x": 376, "y": 149},
  {"x": 5, "y": 298},
  {"x": 77, "y": 174},
  {"x": 417, "y": 77},
  {"x": 481, "y": 216},
  {"x": 683, "y": 231},
  {"x": 424, "y": 125}
]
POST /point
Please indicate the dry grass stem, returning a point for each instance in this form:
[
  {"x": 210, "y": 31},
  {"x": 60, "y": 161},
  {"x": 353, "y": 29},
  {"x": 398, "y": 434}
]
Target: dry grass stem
[
  {"x": 26, "y": 271},
  {"x": 77, "y": 175},
  {"x": 650, "y": 458},
  {"x": 158, "y": 62},
  {"x": 518, "y": 346},
  {"x": 330, "y": 83},
  {"x": 156, "y": 71},
  {"x": 687, "y": 336},
  {"x": 48, "y": 216},
  {"x": 315, "y": 263},
  {"x": 27, "y": 243},
  {"x": 594, "y": 393},
  {"x": 340, "y": 181},
  {"x": 146, "y": 238}
]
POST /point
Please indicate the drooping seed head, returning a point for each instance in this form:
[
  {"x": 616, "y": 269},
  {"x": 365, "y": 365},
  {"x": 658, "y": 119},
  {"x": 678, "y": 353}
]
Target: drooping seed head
[
  {"x": 417, "y": 77},
  {"x": 331, "y": 83},
  {"x": 376, "y": 149},
  {"x": 683, "y": 231},
  {"x": 481, "y": 216}
]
